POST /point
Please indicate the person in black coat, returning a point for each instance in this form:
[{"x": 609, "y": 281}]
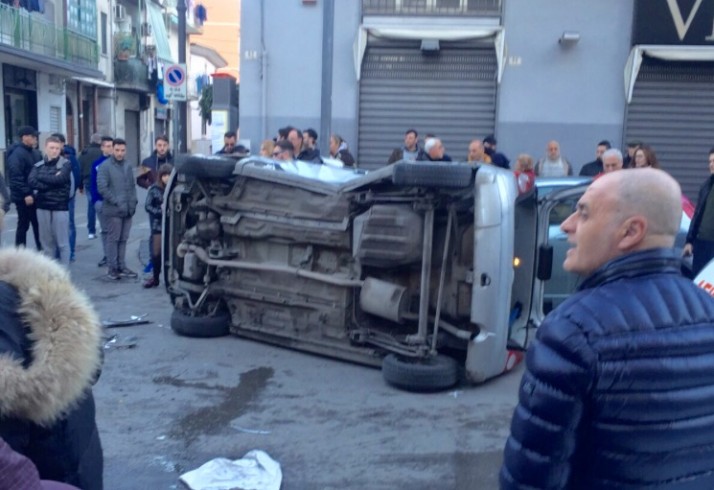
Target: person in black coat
[
  {"x": 49, "y": 358},
  {"x": 595, "y": 167},
  {"x": 339, "y": 151},
  {"x": 20, "y": 159},
  {"x": 618, "y": 391},
  {"x": 51, "y": 180},
  {"x": 700, "y": 237},
  {"x": 154, "y": 200}
]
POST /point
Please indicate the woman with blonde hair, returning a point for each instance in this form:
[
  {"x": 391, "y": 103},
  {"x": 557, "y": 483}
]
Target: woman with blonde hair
[{"x": 266, "y": 148}]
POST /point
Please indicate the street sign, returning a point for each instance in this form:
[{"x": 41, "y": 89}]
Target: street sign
[{"x": 175, "y": 82}]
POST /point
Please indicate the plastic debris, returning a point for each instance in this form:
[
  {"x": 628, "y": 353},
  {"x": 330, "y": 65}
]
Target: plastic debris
[
  {"x": 250, "y": 431},
  {"x": 132, "y": 320},
  {"x": 254, "y": 471},
  {"x": 114, "y": 342}
]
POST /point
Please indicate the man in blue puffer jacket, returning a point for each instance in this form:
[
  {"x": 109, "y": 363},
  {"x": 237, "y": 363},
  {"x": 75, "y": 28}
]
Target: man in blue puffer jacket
[{"x": 618, "y": 391}]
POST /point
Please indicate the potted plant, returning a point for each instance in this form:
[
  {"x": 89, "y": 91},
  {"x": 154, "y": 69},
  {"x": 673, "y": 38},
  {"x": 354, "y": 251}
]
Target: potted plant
[{"x": 124, "y": 46}]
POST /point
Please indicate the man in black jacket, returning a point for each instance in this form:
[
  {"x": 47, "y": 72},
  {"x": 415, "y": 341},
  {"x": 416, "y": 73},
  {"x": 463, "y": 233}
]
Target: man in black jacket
[
  {"x": 49, "y": 358},
  {"x": 700, "y": 238},
  {"x": 51, "y": 179},
  {"x": 151, "y": 164},
  {"x": 20, "y": 160},
  {"x": 594, "y": 168},
  {"x": 618, "y": 390}
]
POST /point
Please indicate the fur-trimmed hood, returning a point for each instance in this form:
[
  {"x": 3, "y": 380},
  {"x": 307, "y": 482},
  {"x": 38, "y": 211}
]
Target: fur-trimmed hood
[{"x": 66, "y": 334}]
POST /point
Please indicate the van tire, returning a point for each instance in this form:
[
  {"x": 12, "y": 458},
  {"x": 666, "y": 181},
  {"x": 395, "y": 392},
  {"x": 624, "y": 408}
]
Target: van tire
[
  {"x": 201, "y": 166},
  {"x": 200, "y": 326},
  {"x": 440, "y": 175},
  {"x": 431, "y": 374}
]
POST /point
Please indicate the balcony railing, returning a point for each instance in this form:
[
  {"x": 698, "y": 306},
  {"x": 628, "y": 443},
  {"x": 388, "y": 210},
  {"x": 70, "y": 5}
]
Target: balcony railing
[
  {"x": 22, "y": 30},
  {"x": 486, "y": 8},
  {"x": 132, "y": 74}
]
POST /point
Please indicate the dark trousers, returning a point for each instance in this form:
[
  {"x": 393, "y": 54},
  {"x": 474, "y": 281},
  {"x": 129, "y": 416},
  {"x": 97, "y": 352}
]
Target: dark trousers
[
  {"x": 703, "y": 251},
  {"x": 26, "y": 216},
  {"x": 155, "y": 245},
  {"x": 91, "y": 214}
]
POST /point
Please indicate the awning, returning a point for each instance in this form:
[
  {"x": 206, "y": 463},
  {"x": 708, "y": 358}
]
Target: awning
[
  {"x": 663, "y": 52},
  {"x": 158, "y": 32},
  {"x": 94, "y": 81},
  {"x": 416, "y": 30}
]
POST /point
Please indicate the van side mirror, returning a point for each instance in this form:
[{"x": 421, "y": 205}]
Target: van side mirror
[{"x": 545, "y": 262}]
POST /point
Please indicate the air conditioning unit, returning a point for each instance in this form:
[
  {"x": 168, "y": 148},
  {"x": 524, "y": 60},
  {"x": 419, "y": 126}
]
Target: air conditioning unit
[{"x": 119, "y": 13}]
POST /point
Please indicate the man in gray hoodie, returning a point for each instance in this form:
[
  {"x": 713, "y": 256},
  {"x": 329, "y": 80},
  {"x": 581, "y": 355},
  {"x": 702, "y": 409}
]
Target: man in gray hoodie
[{"x": 115, "y": 183}]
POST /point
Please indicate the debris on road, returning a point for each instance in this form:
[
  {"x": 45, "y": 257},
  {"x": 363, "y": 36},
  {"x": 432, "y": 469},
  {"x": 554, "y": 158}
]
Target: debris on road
[
  {"x": 114, "y": 342},
  {"x": 128, "y": 322},
  {"x": 254, "y": 471}
]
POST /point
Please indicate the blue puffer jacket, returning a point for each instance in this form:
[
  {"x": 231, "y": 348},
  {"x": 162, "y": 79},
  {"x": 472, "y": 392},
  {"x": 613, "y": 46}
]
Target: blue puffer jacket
[{"x": 618, "y": 391}]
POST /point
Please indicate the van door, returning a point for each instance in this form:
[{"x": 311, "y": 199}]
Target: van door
[{"x": 551, "y": 287}]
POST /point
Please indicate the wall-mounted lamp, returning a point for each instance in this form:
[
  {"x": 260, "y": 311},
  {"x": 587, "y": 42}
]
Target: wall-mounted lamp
[
  {"x": 429, "y": 46},
  {"x": 569, "y": 38}
]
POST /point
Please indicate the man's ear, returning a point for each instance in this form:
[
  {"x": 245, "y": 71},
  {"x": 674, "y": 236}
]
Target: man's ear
[{"x": 634, "y": 231}]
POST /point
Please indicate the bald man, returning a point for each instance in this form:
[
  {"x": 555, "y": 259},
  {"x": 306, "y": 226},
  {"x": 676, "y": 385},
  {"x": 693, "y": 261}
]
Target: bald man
[
  {"x": 618, "y": 390},
  {"x": 477, "y": 153}
]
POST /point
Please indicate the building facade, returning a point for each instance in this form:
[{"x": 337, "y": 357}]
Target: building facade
[
  {"x": 528, "y": 72},
  {"x": 88, "y": 66}
]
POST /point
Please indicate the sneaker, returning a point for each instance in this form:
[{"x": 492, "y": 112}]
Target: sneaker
[
  {"x": 113, "y": 274},
  {"x": 124, "y": 272},
  {"x": 103, "y": 262},
  {"x": 151, "y": 283},
  {"x": 91, "y": 236}
]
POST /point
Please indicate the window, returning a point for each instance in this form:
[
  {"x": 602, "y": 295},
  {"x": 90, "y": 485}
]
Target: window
[
  {"x": 82, "y": 17},
  {"x": 103, "y": 27},
  {"x": 55, "y": 117}
]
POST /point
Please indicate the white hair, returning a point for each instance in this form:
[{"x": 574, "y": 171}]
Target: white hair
[
  {"x": 612, "y": 152},
  {"x": 429, "y": 144}
]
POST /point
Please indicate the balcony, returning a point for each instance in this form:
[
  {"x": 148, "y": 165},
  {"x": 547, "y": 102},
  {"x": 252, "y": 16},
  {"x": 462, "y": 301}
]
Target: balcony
[
  {"x": 133, "y": 75},
  {"x": 445, "y": 8},
  {"x": 28, "y": 32}
]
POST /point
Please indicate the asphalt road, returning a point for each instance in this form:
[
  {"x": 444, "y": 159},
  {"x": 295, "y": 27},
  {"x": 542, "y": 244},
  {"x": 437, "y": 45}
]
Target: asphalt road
[{"x": 167, "y": 404}]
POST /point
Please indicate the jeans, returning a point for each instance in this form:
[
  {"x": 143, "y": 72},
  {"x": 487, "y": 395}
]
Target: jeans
[
  {"x": 72, "y": 229},
  {"x": 103, "y": 224},
  {"x": 91, "y": 214}
]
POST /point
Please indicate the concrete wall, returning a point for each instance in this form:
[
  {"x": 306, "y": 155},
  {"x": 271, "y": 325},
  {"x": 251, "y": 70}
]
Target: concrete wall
[
  {"x": 572, "y": 94},
  {"x": 294, "y": 68}
]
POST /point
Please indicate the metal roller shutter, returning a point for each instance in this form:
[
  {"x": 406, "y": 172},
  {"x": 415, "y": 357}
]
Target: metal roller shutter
[
  {"x": 672, "y": 110},
  {"x": 451, "y": 94}
]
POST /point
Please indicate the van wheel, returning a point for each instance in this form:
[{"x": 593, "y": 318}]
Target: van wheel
[
  {"x": 200, "y": 326},
  {"x": 201, "y": 166},
  {"x": 431, "y": 374}
]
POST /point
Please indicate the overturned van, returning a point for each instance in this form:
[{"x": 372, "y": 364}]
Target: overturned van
[{"x": 427, "y": 270}]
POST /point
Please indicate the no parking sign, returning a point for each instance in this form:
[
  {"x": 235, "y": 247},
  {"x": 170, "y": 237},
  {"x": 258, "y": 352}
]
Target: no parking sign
[{"x": 175, "y": 82}]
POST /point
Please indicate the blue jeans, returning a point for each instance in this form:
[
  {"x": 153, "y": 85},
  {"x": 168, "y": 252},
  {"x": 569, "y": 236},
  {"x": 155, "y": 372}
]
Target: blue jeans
[
  {"x": 72, "y": 229},
  {"x": 91, "y": 214}
]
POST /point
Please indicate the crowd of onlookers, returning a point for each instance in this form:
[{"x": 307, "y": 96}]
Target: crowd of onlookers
[{"x": 43, "y": 185}]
